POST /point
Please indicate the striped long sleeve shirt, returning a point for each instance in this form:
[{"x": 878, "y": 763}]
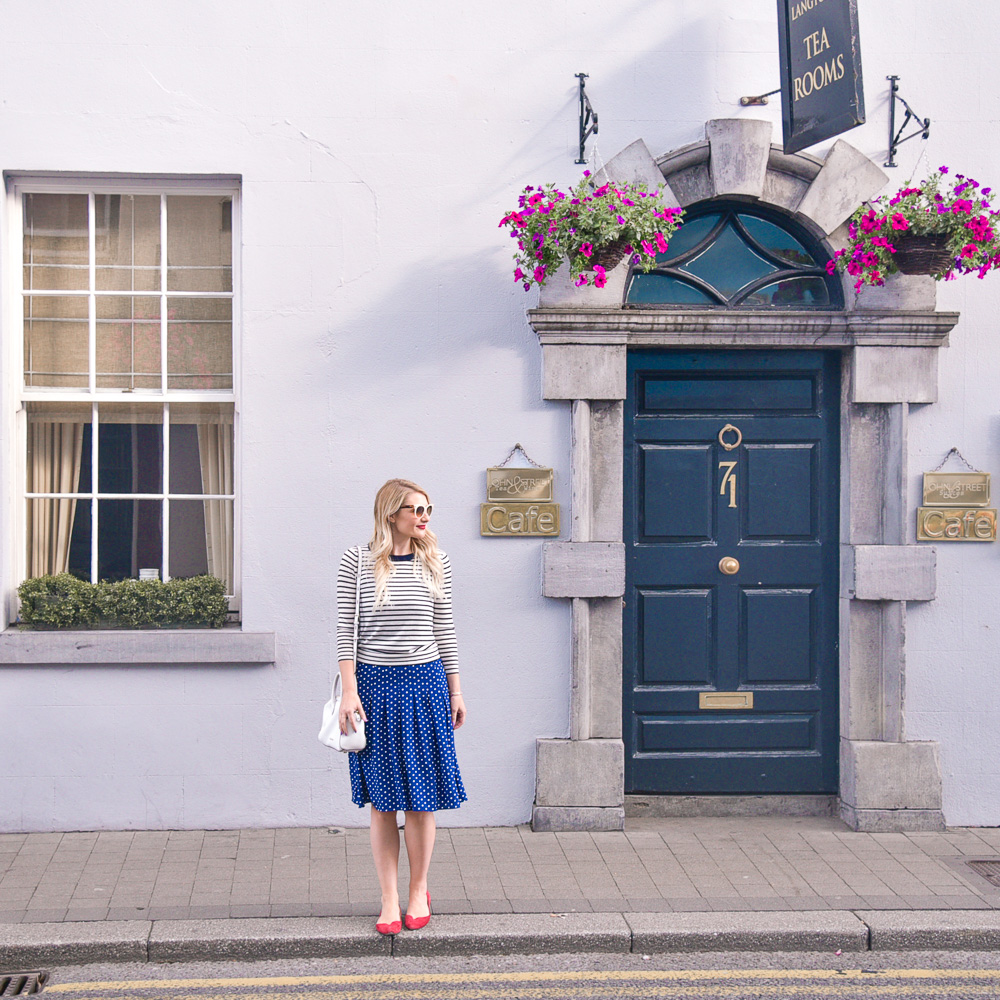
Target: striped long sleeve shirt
[{"x": 411, "y": 628}]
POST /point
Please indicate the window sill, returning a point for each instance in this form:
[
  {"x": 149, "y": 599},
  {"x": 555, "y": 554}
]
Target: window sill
[{"x": 111, "y": 647}]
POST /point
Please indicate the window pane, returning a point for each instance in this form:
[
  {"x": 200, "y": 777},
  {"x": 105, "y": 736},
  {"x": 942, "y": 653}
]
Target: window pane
[
  {"x": 201, "y": 539},
  {"x": 56, "y": 245},
  {"x": 130, "y": 448},
  {"x": 128, "y": 242},
  {"x": 666, "y": 289},
  {"x": 200, "y": 343},
  {"x": 51, "y": 531},
  {"x": 200, "y": 244},
  {"x": 129, "y": 538},
  {"x": 728, "y": 264},
  {"x": 688, "y": 236},
  {"x": 793, "y": 292},
  {"x": 56, "y": 446},
  {"x": 776, "y": 240},
  {"x": 128, "y": 342},
  {"x": 56, "y": 341},
  {"x": 201, "y": 448}
]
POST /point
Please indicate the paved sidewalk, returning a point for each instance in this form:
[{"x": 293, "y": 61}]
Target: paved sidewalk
[{"x": 655, "y": 866}]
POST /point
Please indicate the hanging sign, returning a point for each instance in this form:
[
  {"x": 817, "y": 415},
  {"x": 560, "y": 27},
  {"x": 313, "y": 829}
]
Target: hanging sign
[
  {"x": 955, "y": 505},
  {"x": 822, "y": 93},
  {"x": 519, "y": 501}
]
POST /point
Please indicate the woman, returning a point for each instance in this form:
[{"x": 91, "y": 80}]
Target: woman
[{"x": 404, "y": 686}]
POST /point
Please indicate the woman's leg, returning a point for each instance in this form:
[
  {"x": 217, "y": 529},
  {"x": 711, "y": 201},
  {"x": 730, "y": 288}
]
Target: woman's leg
[
  {"x": 419, "y": 831},
  {"x": 385, "y": 851}
]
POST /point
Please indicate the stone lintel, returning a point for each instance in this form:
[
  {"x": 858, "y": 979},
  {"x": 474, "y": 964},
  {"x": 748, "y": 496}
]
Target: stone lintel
[
  {"x": 895, "y": 375},
  {"x": 740, "y": 148},
  {"x": 847, "y": 179},
  {"x": 730, "y": 328},
  {"x": 894, "y": 572},
  {"x": 577, "y": 819},
  {"x": 583, "y": 569},
  {"x": 580, "y": 773},
  {"x": 583, "y": 371}
]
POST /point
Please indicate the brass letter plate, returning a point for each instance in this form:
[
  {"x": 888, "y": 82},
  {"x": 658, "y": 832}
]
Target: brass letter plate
[{"x": 725, "y": 699}]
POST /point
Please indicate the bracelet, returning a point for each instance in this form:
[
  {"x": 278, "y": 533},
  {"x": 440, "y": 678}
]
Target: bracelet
[{"x": 452, "y": 694}]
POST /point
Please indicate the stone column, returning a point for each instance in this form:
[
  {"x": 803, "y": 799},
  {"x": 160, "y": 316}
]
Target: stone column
[
  {"x": 580, "y": 782},
  {"x": 886, "y": 782}
]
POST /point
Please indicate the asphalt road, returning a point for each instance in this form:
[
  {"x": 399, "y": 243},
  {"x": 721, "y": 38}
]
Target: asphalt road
[{"x": 777, "y": 976}]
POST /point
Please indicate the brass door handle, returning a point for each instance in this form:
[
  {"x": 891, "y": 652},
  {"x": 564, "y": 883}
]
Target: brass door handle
[{"x": 729, "y": 565}]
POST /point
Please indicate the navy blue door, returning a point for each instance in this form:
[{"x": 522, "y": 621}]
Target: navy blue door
[{"x": 731, "y": 535}]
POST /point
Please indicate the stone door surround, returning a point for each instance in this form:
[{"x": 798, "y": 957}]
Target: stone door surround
[{"x": 888, "y": 339}]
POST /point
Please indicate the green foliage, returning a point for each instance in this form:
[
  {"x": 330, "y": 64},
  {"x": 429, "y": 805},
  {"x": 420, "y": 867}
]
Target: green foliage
[{"x": 63, "y": 601}]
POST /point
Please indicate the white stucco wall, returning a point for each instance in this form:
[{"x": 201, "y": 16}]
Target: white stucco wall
[{"x": 378, "y": 144}]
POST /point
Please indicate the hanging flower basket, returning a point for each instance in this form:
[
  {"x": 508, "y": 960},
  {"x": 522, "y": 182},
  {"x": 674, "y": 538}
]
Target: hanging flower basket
[
  {"x": 930, "y": 229},
  {"x": 929, "y": 253},
  {"x": 609, "y": 255},
  {"x": 591, "y": 228}
]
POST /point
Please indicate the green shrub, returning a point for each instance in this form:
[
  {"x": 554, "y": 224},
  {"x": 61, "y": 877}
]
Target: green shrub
[{"x": 63, "y": 601}]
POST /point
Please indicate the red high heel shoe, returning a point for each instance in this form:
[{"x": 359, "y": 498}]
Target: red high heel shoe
[
  {"x": 415, "y": 923},
  {"x": 393, "y": 927}
]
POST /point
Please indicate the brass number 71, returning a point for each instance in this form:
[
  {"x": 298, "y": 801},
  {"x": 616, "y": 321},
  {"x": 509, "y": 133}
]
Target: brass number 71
[{"x": 728, "y": 477}]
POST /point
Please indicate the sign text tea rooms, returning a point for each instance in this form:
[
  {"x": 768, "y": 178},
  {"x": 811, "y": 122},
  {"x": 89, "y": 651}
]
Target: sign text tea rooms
[{"x": 816, "y": 44}]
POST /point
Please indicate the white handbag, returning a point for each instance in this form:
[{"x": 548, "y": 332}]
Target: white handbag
[{"x": 329, "y": 733}]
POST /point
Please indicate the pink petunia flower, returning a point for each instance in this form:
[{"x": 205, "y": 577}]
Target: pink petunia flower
[
  {"x": 661, "y": 243},
  {"x": 587, "y": 249},
  {"x": 600, "y": 276},
  {"x": 831, "y": 266},
  {"x": 580, "y": 281},
  {"x": 899, "y": 221},
  {"x": 539, "y": 274}
]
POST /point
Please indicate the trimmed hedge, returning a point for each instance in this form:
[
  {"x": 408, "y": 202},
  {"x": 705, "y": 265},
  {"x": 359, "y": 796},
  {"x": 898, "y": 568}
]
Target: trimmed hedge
[{"x": 63, "y": 601}]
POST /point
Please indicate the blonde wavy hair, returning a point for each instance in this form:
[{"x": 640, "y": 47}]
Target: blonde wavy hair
[{"x": 427, "y": 558}]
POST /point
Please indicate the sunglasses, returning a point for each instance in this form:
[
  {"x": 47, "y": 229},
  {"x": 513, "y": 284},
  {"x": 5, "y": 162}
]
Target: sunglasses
[{"x": 419, "y": 510}]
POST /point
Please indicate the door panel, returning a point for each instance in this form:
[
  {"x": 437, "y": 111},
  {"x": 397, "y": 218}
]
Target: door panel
[{"x": 770, "y": 502}]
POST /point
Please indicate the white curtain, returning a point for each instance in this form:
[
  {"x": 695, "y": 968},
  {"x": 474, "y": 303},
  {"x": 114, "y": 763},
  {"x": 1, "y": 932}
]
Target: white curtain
[
  {"x": 215, "y": 448},
  {"x": 55, "y": 450}
]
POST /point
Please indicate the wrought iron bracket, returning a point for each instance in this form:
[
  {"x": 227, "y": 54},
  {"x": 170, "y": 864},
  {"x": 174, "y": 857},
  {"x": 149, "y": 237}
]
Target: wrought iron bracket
[
  {"x": 923, "y": 124},
  {"x": 588, "y": 118},
  {"x": 757, "y": 100}
]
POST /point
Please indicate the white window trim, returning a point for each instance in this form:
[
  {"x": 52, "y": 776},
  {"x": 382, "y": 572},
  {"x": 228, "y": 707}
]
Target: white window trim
[{"x": 13, "y": 435}]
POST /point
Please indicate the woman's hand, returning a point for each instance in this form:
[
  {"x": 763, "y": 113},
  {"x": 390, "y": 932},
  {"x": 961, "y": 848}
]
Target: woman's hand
[
  {"x": 458, "y": 712},
  {"x": 349, "y": 704}
]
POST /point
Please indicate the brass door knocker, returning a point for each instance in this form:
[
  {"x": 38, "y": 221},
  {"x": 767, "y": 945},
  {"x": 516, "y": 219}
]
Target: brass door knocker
[{"x": 722, "y": 437}]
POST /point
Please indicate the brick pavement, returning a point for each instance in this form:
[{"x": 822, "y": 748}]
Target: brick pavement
[{"x": 705, "y": 864}]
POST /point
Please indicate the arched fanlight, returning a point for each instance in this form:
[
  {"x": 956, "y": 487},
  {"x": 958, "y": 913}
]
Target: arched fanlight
[{"x": 738, "y": 256}]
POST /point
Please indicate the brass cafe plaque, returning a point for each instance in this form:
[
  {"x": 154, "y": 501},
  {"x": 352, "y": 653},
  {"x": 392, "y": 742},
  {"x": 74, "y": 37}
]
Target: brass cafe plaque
[
  {"x": 956, "y": 524},
  {"x": 956, "y": 489},
  {"x": 519, "y": 504},
  {"x": 517, "y": 518},
  {"x": 504, "y": 483}
]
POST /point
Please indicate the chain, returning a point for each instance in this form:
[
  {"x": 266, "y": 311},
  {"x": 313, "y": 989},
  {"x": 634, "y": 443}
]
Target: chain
[
  {"x": 520, "y": 448},
  {"x": 944, "y": 461}
]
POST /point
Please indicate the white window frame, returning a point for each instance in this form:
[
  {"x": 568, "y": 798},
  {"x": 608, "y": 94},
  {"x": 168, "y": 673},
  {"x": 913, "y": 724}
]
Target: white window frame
[{"x": 14, "y": 444}]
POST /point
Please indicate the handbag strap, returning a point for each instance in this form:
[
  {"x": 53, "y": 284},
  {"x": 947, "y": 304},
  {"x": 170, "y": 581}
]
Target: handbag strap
[{"x": 357, "y": 610}]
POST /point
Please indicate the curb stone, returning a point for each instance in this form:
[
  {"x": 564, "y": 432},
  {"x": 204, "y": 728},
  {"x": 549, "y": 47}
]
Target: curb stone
[
  {"x": 81, "y": 942},
  {"x": 519, "y": 934},
  {"x": 936, "y": 930},
  {"x": 818, "y": 930}
]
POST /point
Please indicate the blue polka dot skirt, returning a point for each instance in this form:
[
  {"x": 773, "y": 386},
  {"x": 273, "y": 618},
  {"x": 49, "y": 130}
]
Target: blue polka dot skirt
[{"x": 409, "y": 761}]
